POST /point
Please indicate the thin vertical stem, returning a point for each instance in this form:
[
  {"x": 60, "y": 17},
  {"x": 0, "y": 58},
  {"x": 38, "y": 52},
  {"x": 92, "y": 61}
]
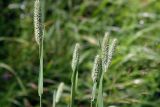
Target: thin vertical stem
[
  {"x": 40, "y": 81},
  {"x": 54, "y": 99},
  {"x": 40, "y": 103},
  {"x": 100, "y": 92},
  {"x": 91, "y": 104},
  {"x": 40, "y": 84},
  {"x": 73, "y": 88}
]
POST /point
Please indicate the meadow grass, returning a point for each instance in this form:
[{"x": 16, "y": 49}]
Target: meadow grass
[
  {"x": 39, "y": 34},
  {"x": 74, "y": 78},
  {"x": 134, "y": 68}
]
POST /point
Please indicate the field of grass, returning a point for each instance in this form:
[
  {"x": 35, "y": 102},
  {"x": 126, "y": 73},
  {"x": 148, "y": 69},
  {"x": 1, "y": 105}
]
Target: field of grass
[{"x": 133, "y": 78}]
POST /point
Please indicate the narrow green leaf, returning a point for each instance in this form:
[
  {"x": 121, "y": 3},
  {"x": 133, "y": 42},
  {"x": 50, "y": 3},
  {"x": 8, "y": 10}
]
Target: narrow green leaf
[
  {"x": 54, "y": 99},
  {"x": 100, "y": 92}
]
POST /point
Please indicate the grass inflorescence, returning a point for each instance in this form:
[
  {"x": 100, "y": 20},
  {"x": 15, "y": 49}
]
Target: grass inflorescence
[
  {"x": 39, "y": 39},
  {"x": 101, "y": 65},
  {"x": 74, "y": 65},
  {"x": 133, "y": 77}
]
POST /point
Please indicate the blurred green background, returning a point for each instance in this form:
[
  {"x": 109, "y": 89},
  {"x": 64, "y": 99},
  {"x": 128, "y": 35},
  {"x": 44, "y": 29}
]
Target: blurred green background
[{"x": 133, "y": 79}]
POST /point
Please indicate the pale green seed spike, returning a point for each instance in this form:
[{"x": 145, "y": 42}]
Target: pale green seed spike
[
  {"x": 75, "y": 59},
  {"x": 59, "y": 91},
  {"x": 38, "y": 30},
  {"x": 111, "y": 52},
  {"x": 105, "y": 47},
  {"x": 96, "y": 68},
  {"x": 38, "y": 37},
  {"x": 74, "y": 79},
  {"x": 37, "y": 22},
  {"x": 96, "y": 72}
]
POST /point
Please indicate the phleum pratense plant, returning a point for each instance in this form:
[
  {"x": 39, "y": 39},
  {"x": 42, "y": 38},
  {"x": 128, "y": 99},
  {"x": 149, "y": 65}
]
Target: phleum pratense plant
[
  {"x": 96, "y": 72},
  {"x": 38, "y": 29},
  {"x": 74, "y": 79},
  {"x": 100, "y": 66}
]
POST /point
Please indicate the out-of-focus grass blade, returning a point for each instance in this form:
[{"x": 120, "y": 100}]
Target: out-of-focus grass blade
[
  {"x": 43, "y": 10},
  {"x": 18, "y": 40},
  {"x": 50, "y": 32},
  {"x": 141, "y": 32},
  {"x": 100, "y": 7},
  {"x": 7, "y": 67}
]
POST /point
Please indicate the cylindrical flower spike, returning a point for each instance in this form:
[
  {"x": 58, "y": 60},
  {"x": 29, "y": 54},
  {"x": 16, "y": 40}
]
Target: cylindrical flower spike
[
  {"x": 111, "y": 52},
  {"x": 75, "y": 59},
  {"x": 59, "y": 91},
  {"x": 37, "y": 22},
  {"x": 105, "y": 47},
  {"x": 96, "y": 69},
  {"x": 74, "y": 79}
]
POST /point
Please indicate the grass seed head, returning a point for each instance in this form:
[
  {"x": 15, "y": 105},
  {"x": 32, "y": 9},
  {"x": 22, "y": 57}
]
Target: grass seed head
[
  {"x": 75, "y": 59},
  {"x": 37, "y": 22},
  {"x": 111, "y": 52},
  {"x": 59, "y": 91},
  {"x": 96, "y": 68},
  {"x": 105, "y": 46}
]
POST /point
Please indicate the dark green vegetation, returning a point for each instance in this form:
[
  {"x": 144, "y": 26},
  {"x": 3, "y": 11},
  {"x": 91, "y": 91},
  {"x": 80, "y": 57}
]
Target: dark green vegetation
[{"x": 133, "y": 79}]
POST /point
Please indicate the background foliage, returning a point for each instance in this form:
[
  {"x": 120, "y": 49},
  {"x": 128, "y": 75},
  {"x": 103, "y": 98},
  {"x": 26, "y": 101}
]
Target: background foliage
[{"x": 133, "y": 79}]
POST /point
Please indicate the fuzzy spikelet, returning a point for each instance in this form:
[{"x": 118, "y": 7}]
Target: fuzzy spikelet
[
  {"x": 111, "y": 51},
  {"x": 96, "y": 68},
  {"x": 59, "y": 91},
  {"x": 105, "y": 46},
  {"x": 75, "y": 59},
  {"x": 37, "y": 22}
]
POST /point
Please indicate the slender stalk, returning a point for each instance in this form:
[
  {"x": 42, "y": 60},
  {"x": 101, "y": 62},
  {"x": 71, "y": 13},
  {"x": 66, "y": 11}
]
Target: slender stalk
[
  {"x": 39, "y": 33},
  {"x": 40, "y": 99},
  {"x": 73, "y": 88},
  {"x": 100, "y": 91},
  {"x": 107, "y": 53},
  {"x": 40, "y": 81},
  {"x": 54, "y": 99},
  {"x": 74, "y": 79},
  {"x": 91, "y": 104}
]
